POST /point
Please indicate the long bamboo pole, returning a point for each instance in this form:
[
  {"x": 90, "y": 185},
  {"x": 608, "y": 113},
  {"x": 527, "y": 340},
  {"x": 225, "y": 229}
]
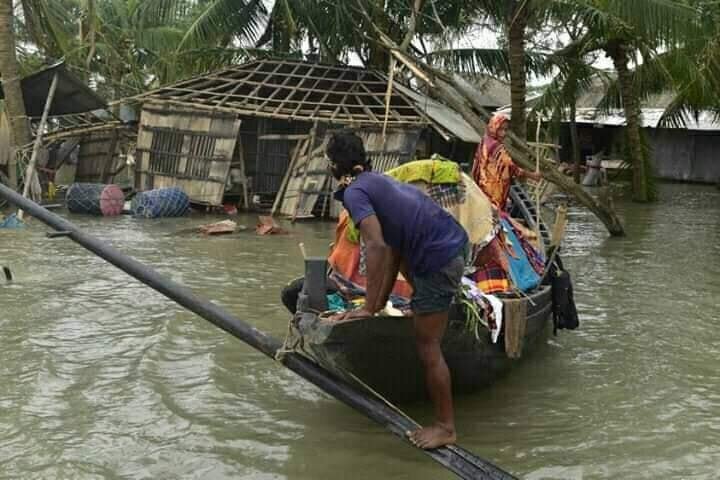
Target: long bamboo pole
[
  {"x": 456, "y": 459},
  {"x": 30, "y": 172}
]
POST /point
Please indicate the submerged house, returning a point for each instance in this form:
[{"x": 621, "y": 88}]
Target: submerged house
[
  {"x": 257, "y": 131},
  {"x": 82, "y": 141},
  {"x": 679, "y": 154}
]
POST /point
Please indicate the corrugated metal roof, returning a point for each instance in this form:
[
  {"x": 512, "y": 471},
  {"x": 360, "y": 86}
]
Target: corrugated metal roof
[
  {"x": 445, "y": 117},
  {"x": 651, "y": 117}
]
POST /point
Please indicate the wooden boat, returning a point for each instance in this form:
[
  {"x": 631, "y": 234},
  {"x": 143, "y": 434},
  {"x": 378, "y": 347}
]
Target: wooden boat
[{"x": 380, "y": 351}]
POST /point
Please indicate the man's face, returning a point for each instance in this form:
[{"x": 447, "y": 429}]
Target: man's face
[{"x": 333, "y": 168}]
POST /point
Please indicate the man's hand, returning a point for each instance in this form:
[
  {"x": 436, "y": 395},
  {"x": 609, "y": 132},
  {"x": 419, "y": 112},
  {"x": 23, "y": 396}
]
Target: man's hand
[{"x": 351, "y": 315}]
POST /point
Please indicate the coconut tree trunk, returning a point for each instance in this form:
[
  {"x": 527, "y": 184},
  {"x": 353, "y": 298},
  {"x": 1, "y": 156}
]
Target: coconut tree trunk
[
  {"x": 633, "y": 117},
  {"x": 575, "y": 143},
  {"x": 14, "y": 104},
  {"x": 517, "y": 24},
  {"x": 378, "y": 56}
]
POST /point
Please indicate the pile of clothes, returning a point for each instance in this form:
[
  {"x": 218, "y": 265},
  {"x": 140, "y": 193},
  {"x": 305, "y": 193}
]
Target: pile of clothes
[{"x": 503, "y": 259}]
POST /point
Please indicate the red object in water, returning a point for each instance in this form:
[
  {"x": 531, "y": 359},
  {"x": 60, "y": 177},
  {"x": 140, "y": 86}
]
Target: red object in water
[
  {"x": 268, "y": 226},
  {"x": 112, "y": 200},
  {"x": 230, "y": 209}
]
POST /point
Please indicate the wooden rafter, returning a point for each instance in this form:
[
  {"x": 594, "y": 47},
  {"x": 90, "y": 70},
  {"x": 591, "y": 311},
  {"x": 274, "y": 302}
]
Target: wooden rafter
[{"x": 294, "y": 90}]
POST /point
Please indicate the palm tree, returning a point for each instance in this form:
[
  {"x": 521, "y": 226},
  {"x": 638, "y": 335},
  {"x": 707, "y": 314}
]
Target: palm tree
[
  {"x": 630, "y": 33},
  {"x": 10, "y": 70},
  {"x": 125, "y": 46},
  {"x": 518, "y": 22}
]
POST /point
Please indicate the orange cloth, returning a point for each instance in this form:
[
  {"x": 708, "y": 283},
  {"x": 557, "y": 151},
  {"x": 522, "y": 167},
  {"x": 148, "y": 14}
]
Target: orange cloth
[
  {"x": 345, "y": 258},
  {"x": 493, "y": 168},
  {"x": 345, "y": 255}
]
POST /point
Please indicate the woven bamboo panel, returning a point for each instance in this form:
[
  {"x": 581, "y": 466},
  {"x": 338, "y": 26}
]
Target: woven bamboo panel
[{"x": 186, "y": 148}]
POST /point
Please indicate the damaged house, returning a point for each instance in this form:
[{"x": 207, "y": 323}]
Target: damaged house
[{"x": 256, "y": 132}]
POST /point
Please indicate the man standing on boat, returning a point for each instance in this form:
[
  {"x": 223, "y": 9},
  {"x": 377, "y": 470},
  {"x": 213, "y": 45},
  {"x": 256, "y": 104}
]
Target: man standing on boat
[{"x": 404, "y": 230}]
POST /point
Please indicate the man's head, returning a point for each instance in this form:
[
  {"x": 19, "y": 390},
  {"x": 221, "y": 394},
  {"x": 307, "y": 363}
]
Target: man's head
[{"x": 346, "y": 154}]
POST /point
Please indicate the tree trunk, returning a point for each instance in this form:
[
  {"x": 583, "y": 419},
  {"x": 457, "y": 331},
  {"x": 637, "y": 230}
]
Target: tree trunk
[
  {"x": 575, "y": 143},
  {"x": 10, "y": 70},
  {"x": 463, "y": 97},
  {"x": 633, "y": 117},
  {"x": 517, "y": 25},
  {"x": 378, "y": 56}
]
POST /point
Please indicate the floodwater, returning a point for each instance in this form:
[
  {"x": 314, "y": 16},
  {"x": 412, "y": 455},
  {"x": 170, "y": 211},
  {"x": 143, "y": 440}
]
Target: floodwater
[{"x": 102, "y": 378}]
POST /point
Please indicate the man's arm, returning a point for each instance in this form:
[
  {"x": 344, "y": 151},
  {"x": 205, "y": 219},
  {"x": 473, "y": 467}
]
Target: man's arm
[{"x": 382, "y": 264}]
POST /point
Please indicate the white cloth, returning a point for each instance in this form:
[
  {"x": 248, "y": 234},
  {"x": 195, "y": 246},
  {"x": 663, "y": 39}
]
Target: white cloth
[{"x": 494, "y": 301}]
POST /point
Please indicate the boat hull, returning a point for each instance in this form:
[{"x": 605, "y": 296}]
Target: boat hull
[{"x": 380, "y": 351}]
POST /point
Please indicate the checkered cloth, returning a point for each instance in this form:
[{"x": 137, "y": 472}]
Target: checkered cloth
[
  {"x": 447, "y": 195},
  {"x": 491, "y": 278}
]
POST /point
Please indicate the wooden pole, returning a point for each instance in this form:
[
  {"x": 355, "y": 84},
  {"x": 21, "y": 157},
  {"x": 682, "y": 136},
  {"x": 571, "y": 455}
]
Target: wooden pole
[
  {"x": 299, "y": 150},
  {"x": 308, "y": 159},
  {"x": 107, "y": 168},
  {"x": 558, "y": 231},
  {"x": 453, "y": 457},
  {"x": 538, "y": 184},
  {"x": 243, "y": 178},
  {"x": 388, "y": 95},
  {"x": 30, "y": 172}
]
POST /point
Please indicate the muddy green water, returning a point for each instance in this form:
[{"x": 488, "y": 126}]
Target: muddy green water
[{"x": 102, "y": 378}]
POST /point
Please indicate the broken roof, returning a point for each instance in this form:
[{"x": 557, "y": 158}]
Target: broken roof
[
  {"x": 72, "y": 96},
  {"x": 298, "y": 90}
]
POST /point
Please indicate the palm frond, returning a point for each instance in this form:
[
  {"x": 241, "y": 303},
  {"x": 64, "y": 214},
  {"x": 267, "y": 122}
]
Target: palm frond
[
  {"x": 492, "y": 61},
  {"x": 223, "y": 20}
]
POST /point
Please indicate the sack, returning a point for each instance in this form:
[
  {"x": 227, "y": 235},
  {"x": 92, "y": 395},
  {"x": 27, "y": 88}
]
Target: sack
[{"x": 563, "y": 301}]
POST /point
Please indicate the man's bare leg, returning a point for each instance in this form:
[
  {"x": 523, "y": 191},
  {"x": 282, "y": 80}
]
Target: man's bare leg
[{"x": 429, "y": 330}]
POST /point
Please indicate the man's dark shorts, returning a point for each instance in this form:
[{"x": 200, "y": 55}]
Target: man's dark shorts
[{"x": 433, "y": 292}]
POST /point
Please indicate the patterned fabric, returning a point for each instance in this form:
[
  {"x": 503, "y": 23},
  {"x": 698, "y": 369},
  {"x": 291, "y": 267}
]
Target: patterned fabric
[
  {"x": 537, "y": 260},
  {"x": 493, "y": 168},
  {"x": 447, "y": 195},
  {"x": 491, "y": 278},
  {"x": 345, "y": 258}
]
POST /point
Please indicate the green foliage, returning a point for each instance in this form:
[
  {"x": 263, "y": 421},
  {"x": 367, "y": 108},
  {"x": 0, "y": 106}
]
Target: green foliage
[{"x": 474, "y": 319}]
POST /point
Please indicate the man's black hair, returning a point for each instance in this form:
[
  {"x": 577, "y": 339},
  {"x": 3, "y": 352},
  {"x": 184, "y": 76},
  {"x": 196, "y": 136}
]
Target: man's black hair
[{"x": 346, "y": 150}]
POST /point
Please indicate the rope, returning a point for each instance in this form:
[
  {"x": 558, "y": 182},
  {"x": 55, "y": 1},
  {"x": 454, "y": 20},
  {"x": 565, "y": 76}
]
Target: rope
[
  {"x": 298, "y": 346},
  {"x": 287, "y": 347}
]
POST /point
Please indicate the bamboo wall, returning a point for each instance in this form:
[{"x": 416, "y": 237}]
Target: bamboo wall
[
  {"x": 99, "y": 156},
  {"x": 190, "y": 149}
]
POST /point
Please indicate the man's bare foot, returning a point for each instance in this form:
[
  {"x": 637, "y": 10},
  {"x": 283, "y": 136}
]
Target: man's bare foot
[{"x": 436, "y": 435}]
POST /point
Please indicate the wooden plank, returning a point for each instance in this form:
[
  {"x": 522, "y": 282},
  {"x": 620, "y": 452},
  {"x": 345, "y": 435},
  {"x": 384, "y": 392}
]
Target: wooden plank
[
  {"x": 298, "y": 151},
  {"x": 287, "y": 114},
  {"x": 107, "y": 166},
  {"x": 288, "y": 137},
  {"x": 190, "y": 131},
  {"x": 311, "y": 143}
]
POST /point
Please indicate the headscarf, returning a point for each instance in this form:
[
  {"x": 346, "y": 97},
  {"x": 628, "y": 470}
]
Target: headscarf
[
  {"x": 493, "y": 169},
  {"x": 490, "y": 139}
]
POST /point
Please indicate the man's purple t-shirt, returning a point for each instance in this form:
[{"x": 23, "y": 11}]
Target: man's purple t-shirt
[{"x": 426, "y": 236}]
